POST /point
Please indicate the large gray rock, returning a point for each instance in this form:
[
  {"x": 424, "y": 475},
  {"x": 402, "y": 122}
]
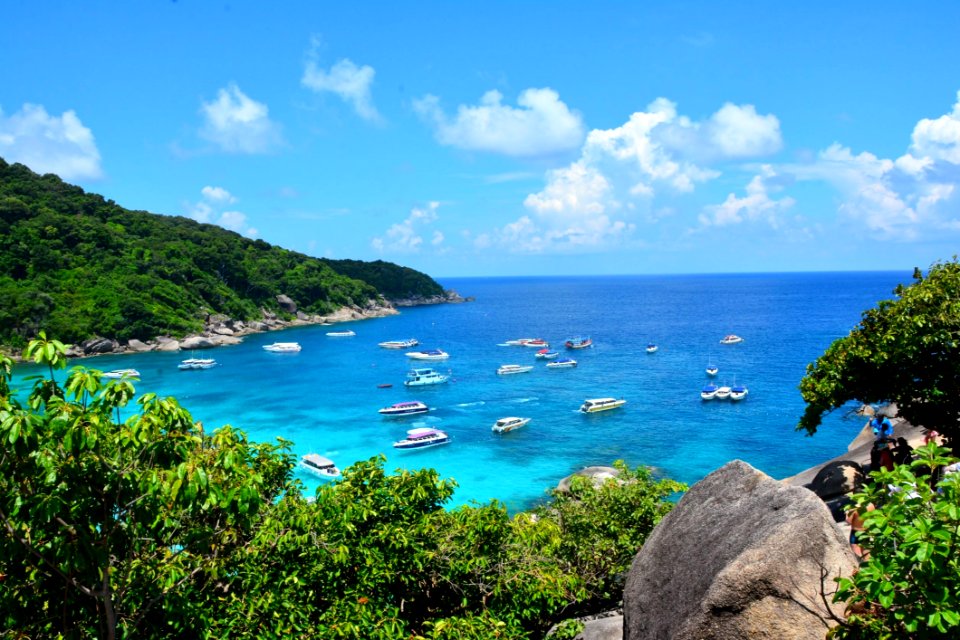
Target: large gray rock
[
  {"x": 138, "y": 346},
  {"x": 286, "y": 303},
  {"x": 741, "y": 556},
  {"x": 197, "y": 342},
  {"x": 168, "y": 345},
  {"x": 836, "y": 479},
  {"x": 99, "y": 345}
]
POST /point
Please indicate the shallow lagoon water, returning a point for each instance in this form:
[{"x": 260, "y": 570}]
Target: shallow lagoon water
[{"x": 325, "y": 398}]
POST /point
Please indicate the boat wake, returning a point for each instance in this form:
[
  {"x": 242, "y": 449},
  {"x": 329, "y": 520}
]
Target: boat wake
[
  {"x": 521, "y": 400},
  {"x": 467, "y": 405}
]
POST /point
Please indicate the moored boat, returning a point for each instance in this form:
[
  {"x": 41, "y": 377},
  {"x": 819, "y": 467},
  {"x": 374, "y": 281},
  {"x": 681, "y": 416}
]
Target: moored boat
[
  {"x": 197, "y": 363},
  {"x": 578, "y": 343},
  {"x": 504, "y": 425},
  {"x": 519, "y": 342},
  {"x": 340, "y": 334},
  {"x": 282, "y": 347},
  {"x": 723, "y": 392},
  {"x": 536, "y": 343},
  {"x": 411, "y": 408},
  {"x": 652, "y": 348},
  {"x": 596, "y": 405},
  {"x": 422, "y": 437},
  {"x": 419, "y": 377},
  {"x": 731, "y": 339},
  {"x": 399, "y": 344},
  {"x": 562, "y": 363},
  {"x": 546, "y": 354},
  {"x": 738, "y": 392},
  {"x": 320, "y": 467},
  {"x": 712, "y": 369},
  {"x": 116, "y": 374},
  {"x": 508, "y": 369},
  {"x": 709, "y": 392},
  {"x": 429, "y": 354}
]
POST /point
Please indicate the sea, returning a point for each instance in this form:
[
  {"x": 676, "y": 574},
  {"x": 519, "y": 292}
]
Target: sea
[{"x": 325, "y": 399}]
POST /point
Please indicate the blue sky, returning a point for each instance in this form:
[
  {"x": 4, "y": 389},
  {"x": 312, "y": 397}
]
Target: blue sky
[{"x": 502, "y": 138}]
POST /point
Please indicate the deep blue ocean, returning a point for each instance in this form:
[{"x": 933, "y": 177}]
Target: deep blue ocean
[{"x": 325, "y": 398}]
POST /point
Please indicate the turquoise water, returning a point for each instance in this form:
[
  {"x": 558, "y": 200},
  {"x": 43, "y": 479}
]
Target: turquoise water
[{"x": 325, "y": 398}]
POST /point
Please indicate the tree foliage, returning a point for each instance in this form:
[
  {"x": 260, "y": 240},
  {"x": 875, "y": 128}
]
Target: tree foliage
[
  {"x": 905, "y": 350},
  {"x": 909, "y": 587},
  {"x": 152, "y": 527},
  {"x": 77, "y": 265}
]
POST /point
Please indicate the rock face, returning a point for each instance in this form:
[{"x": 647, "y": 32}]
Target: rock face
[
  {"x": 138, "y": 346},
  {"x": 99, "y": 345},
  {"x": 836, "y": 479},
  {"x": 741, "y": 556},
  {"x": 198, "y": 342},
  {"x": 286, "y": 303}
]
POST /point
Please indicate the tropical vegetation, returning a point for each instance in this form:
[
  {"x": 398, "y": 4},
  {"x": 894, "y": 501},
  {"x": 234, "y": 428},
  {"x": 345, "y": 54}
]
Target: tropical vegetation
[
  {"x": 908, "y": 585},
  {"x": 120, "y": 516},
  {"x": 77, "y": 265},
  {"x": 905, "y": 351}
]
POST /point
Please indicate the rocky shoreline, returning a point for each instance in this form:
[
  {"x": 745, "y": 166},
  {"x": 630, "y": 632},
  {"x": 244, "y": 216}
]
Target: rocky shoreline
[{"x": 220, "y": 330}]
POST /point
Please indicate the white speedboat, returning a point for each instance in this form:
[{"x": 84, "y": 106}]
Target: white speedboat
[
  {"x": 731, "y": 339},
  {"x": 652, "y": 348},
  {"x": 340, "y": 334},
  {"x": 422, "y": 437},
  {"x": 738, "y": 392},
  {"x": 318, "y": 466},
  {"x": 419, "y": 377},
  {"x": 578, "y": 343},
  {"x": 601, "y": 404},
  {"x": 546, "y": 354},
  {"x": 404, "y": 409},
  {"x": 536, "y": 343},
  {"x": 519, "y": 342},
  {"x": 508, "y": 369},
  {"x": 723, "y": 392},
  {"x": 430, "y": 354},
  {"x": 709, "y": 392},
  {"x": 282, "y": 347},
  {"x": 197, "y": 363},
  {"x": 562, "y": 363},
  {"x": 116, "y": 374},
  {"x": 399, "y": 344},
  {"x": 503, "y": 425}
]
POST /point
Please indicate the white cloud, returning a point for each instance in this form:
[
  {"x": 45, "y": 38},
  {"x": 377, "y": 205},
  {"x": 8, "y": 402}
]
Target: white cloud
[
  {"x": 621, "y": 170},
  {"x": 939, "y": 139},
  {"x": 756, "y": 205},
  {"x": 217, "y": 194},
  {"x": 541, "y": 124},
  {"x": 239, "y": 124},
  {"x": 346, "y": 80},
  {"x": 50, "y": 144},
  {"x": 890, "y": 199},
  {"x": 404, "y": 237},
  {"x": 739, "y": 131},
  {"x": 208, "y": 210}
]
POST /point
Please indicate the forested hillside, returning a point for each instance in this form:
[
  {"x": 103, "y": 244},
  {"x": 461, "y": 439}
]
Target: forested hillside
[{"x": 79, "y": 265}]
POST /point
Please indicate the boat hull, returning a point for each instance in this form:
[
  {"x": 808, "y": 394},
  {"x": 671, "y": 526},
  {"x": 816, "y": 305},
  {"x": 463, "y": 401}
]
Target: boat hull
[{"x": 404, "y": 444}]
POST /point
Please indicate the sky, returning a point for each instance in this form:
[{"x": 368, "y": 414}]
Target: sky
[{"x": 509, "y": 138}]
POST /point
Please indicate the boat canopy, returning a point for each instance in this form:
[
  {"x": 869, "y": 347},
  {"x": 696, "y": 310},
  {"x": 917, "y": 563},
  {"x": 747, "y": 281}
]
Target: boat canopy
[{"x": 317, "y": 461}]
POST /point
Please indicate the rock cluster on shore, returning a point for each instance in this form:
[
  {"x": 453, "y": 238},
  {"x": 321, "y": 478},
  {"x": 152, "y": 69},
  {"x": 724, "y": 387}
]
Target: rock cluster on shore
[{"x": 220, "y": 330}]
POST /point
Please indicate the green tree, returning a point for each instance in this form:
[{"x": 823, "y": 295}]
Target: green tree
[
  {"x": 905, "y": 350},
  {"x": 114, "y": 528},
  {"x": 909, "y": 587}
]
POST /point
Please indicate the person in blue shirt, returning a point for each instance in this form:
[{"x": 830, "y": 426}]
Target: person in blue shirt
[{"x": 882, "y": 427}]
